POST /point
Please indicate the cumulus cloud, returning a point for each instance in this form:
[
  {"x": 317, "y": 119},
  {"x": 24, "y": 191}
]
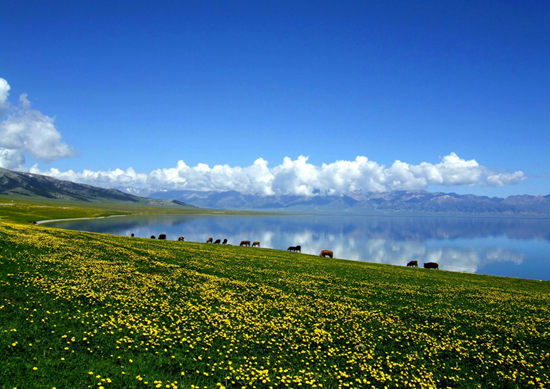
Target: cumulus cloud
[
  {"x": 11, "y": 159},
  {"x": 505, "y": 179},
  {"x": 116, "y": 177},
  {"x": 27, "y": 131},
  {"x": 299, "y": 177},
  {"x": 4, "y": 93}
]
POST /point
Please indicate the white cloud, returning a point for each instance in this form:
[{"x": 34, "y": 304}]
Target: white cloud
[
  {"x": 11, "y": 159},
  {"x": 4, "y": 93},
  {"x": 299, "y": 177},
  {"x": 117, "y": 177},
  {"x": 24, "y": 101},
  {"x": 505, "y": 179},
  {"x": 27, "y": 131}
]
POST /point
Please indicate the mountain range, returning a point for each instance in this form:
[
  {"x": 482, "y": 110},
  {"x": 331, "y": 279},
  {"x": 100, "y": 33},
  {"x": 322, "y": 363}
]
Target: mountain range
[
  {"x": 404, "y": 202},
  {"x": 375, "y": 203}
]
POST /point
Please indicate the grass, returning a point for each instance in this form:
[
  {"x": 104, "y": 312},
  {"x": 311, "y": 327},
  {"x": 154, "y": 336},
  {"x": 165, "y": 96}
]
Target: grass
[
  {"x": 81, "y": 309},
  {"x": 26, "y": 210}
]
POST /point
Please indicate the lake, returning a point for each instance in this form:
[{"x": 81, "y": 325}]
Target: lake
[{"x": 498, "y": 246}]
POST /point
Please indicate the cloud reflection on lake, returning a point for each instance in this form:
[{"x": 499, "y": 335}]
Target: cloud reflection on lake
[{"x": 503, "y": 246}]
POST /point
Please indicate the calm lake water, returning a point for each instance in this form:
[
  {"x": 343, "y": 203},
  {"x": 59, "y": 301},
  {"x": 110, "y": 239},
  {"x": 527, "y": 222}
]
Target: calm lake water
[{"x": 496, "y": 246}]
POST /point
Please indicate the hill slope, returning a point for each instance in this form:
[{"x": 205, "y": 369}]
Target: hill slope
[
  {"x": 80, "y": 309},
  {"x": 38, "y": 186}
]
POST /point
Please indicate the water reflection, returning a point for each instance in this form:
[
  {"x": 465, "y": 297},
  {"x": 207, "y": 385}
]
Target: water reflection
[{"x": 488, "y": 245}]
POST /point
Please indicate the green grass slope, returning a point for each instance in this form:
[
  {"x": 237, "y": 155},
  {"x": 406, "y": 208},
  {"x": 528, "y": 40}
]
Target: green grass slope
[
  {"x": 26, "y": 210},
  {"x": 82, "y": 309}
]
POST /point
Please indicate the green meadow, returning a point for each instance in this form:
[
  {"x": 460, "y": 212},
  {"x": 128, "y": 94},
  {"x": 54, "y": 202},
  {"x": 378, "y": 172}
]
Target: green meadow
[{"x": 88, "y": 310}]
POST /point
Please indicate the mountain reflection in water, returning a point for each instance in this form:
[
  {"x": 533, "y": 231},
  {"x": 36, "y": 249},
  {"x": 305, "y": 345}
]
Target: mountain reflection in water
[{"x": 510, "y": 247}]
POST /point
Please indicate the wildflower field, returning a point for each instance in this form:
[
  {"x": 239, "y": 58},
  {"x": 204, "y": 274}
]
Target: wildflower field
[{"x": 82, "y": 309}]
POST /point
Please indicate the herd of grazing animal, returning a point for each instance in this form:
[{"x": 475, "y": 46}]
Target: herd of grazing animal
[
  {"x": 295, "y": 249},
  {"x": 246, "y": 243},
  {"x": 217, "y": 241}
]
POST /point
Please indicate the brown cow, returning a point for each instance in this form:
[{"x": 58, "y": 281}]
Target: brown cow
[
  {"x": 256, "y": 244},
  {"x": 162, "y": 236},
  {"x": 218, "y": 241},
  {"x": 412, "y": 264},
  {"x": 209, "y": 240},
  {"x": 245, "y": 243},
  {"x": 181, "y": 239},
  {"x": 431, "y": 265},
  {"x": 326, "y": 253}
]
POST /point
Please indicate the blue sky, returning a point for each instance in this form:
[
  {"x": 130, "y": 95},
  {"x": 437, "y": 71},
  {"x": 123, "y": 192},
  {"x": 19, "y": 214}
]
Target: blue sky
[{"x": 458, "y": 92}]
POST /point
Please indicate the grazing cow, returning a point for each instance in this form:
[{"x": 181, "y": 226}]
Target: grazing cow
[
  {"x": 209, "y": 240},
  {"x": 224, "y": 241},
  {"x": 181, "y": 239},
  {"x": 245, "y": 243},
  {"x": 256, "y": 244},
  {"x": 295, "y": 249},
  {"x": 291, "y": 248},
  {"x": 153, "y": 237},
  {"x": 326, "y": 253},
  {"x": 431, "y": 265},
  {"x": 412, "y": 264},
  {"x": 218, "y": 241},
  {"x": 162, "y": 236},
  {"x": 132, "y": 235}
]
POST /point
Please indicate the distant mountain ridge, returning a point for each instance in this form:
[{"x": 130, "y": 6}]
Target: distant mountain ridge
[
  {"x": 39, "y": 186},
  {"x": 375, "y": 203},
  {"x": 368, "y": 203}
]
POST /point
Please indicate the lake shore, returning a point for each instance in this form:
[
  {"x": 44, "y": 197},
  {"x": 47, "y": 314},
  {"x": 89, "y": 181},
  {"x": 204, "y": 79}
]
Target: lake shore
[
  {"x": 500, "y": 247},
  {"x": 76, "y": 219}
]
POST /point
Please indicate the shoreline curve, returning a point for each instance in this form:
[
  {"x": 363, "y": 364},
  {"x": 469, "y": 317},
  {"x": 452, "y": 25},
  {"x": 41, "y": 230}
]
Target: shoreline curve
[{"x": 76, "y": 218}]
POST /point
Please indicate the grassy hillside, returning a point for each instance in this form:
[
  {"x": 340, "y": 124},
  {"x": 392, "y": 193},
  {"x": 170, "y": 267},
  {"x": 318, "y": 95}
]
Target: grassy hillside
[
  {"x": 37, "y": 187},
  {"x": 26, "y": 210},
  {"x": 82, "y": 309}
]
